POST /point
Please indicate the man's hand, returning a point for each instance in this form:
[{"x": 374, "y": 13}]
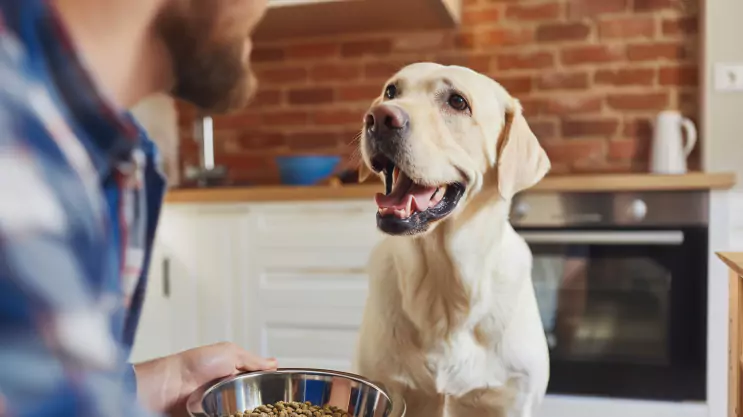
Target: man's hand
[{"x": 164, "y": 384}]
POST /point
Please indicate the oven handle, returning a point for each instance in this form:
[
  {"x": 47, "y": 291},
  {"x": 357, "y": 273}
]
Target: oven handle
[{"x": 671, "y": 237}]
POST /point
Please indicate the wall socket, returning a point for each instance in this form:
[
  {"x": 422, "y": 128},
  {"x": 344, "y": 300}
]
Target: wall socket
[{"x": 729, "y": 77}]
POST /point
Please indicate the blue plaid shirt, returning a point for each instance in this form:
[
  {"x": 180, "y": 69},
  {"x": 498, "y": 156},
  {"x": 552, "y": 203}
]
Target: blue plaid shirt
[{"x": 80, "y": 195}]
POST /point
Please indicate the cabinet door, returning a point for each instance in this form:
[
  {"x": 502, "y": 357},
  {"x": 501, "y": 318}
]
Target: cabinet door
[
  {"x": 157, "y": 334},
  {"x": 308, "y": 265},
  {"x": 193, "y": 297}
]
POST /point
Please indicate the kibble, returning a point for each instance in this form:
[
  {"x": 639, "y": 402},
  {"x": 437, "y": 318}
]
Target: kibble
[{"x": 293, "y": 409}]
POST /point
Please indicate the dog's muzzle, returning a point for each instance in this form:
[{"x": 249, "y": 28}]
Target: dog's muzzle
[{"x": 386, "y": 127}]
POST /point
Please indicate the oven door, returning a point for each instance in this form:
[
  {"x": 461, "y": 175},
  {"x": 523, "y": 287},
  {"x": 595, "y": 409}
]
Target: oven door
[{"x": 624, "y": 311}]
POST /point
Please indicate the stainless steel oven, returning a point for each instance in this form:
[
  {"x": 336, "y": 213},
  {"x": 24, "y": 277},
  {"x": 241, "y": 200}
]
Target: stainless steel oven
[{"x": 621, "y": 282}]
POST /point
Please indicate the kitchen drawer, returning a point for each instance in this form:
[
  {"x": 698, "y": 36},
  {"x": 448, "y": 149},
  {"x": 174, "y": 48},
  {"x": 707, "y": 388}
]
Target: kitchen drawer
[
  {"x": 311, "y": 334},
  {"x": 314, "y": 259},
  {"x": 313, "y": 289},
  {"x": 316, "y": 225}
]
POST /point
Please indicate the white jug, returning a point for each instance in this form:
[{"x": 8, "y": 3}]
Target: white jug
[{"x": 669, "y": 152}]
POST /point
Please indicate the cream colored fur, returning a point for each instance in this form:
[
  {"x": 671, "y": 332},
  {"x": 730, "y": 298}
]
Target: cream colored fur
[{"x": 451, "y": 320}]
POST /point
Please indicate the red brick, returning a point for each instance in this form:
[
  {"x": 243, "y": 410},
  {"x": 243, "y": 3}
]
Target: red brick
[
  {"x": 589, "y": 127},
  {"x": 186, "y": 113},
  {"x": 261, "y": 140},
  {"x": 656, "y": 52},
  {"x": 367, "y": 92},
  {"x": 257, "y": 168},
  {"x": 267, "y": 98},
  {"x": 532, "y": 106},
  {"x": 679, "y": 75},
  {"x": 339, "y": 117},
  {"x": 463, "y": 40},
  {"x": 638, "y": 101},
  {"x": 269, "y": 54},
  {"x": 504, "y": 37},
  {"x": 624, "y": 77},
  {"x": 592, "y": 54},
  {"x": 589, "y": 8},
  {"x": 490, "y": 14},
  {"x": 601, "y": 166},
  {"x": 311, "y": 96},
  {"x": 569, "y": 105},
  {"x": 421, "y": 41},
  {"x": 688, "y": 102},
  {"x": 312, "y": 140},
  {"x": 556, "y": 32},
  {"x": 526, "y": 60},
  {"x": 516, "y": 85},
  {"x": 366, "y": 47},
  {"x": 541, "y": 11},
  {"x": 479, "y": 63},
  {"x": 562, "y": 81},
  {"x": 236, "y": 121},
  {"x": 289, "y": 118},
  {"x": 246, "y": 160},
  {"x": 627, "y": 27},
  {"x": 383, "y": 70},
  {"x": 657, "y": 5},
  {"x": 680, "y": 26},
  {"x": 638, "y": 128},
  {"x": 570, "y": 150},
  {"x": 543, "y": 129},
  {"x": 626, "y": 149},
  {"x": 313, "y": 50},
  {"x": 335, "y": 72},
  {"x": 282, "y": 75}
]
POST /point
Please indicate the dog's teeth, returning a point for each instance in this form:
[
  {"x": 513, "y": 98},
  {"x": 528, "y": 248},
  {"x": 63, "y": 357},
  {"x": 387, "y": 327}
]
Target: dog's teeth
[
  {"x": 409, "y": 205},
  {"x": 435, "y": 193},
  {"x": 400, "y": 213}
]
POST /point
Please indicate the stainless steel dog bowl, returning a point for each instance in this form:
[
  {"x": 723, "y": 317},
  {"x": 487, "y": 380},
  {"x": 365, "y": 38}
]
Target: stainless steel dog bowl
[{"x": 358, "y": 396}]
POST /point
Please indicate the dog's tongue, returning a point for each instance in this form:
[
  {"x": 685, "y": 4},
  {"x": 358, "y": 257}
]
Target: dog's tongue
[{"x": 406, "y": 195}]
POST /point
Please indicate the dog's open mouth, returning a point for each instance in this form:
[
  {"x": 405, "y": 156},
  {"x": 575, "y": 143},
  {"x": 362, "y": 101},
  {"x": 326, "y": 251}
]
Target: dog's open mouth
[{"x": 408, "y": 207}]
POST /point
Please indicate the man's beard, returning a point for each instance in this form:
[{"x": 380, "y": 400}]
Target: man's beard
[{"x": 210, "y": 75}]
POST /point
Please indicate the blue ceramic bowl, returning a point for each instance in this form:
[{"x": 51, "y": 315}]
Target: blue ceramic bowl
[{"x": 306, "y": 169}]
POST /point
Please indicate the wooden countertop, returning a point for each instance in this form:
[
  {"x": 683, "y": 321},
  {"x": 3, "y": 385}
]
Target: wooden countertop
[
  {"x": 734, "y": 260},
  {"x": 578, "y": 183}
]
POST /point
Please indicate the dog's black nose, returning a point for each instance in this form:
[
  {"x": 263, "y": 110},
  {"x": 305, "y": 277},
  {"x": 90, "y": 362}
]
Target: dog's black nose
[{"x": 385, "y": 119}]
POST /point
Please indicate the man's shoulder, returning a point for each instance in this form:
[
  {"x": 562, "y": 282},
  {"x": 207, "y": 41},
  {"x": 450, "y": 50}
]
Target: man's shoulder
[{"x": 20, "y": 90}]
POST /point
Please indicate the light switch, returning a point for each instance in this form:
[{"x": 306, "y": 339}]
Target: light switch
[{"x": 729, "y": 77}]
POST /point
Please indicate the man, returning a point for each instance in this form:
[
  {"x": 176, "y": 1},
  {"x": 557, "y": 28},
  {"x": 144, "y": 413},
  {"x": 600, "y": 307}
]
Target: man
[{"x": 80, "y": 193}]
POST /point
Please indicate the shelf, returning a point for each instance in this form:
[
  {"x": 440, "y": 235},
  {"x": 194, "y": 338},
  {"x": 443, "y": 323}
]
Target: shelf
[{"x": 307, "y": 18}]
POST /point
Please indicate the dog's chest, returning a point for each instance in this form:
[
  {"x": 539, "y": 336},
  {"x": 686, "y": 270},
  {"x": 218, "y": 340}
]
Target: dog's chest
[{"x": 462, "y": 364}]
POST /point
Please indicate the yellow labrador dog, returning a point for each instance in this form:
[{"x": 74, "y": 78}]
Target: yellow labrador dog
[{"x": 451, "y": 320}]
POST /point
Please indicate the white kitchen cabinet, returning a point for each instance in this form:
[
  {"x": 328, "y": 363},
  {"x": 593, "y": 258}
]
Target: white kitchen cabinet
[
  {"x": 281, "y": 279},
  {"x": 308, "y": 273},
  {"x": 193, "y": 296}
]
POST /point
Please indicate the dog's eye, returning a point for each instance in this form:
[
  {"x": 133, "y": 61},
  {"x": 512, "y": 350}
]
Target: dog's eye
[
  {"x": 390, "y": 92},
  {"x": 458, "y": 102}
]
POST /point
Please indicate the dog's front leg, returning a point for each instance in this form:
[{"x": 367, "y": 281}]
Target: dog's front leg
[
  {"x": 422, "y": 403},
  {"x": 486, "y": 402}
]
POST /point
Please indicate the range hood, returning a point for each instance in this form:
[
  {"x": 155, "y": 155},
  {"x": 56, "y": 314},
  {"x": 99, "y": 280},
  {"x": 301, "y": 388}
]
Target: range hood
[{"x": 309, "y": 18}]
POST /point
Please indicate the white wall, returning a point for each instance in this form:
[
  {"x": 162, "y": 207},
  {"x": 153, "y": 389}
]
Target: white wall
[
  {"x": 159, "y": 117},
  {"x": 722, "y": 127}
]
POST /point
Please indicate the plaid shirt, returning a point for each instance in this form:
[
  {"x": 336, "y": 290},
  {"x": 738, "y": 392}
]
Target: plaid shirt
[{"x": 80, "y": 195}]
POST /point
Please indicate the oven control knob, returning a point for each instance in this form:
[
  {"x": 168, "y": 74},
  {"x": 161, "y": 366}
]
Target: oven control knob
[
  {"x": 638, "y": 210},
  {"x": 520, "y": 209}
]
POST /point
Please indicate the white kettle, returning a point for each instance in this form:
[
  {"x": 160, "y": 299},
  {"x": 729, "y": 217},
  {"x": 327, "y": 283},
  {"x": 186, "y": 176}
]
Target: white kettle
[{"x": 669, "y": 150}]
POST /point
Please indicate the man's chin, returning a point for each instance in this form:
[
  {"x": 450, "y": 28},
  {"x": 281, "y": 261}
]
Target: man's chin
[{"x": 235, "y": 100}]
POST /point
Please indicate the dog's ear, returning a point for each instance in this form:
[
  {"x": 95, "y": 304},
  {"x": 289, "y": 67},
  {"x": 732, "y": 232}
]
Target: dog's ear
[{"x": 522, "y": 162}]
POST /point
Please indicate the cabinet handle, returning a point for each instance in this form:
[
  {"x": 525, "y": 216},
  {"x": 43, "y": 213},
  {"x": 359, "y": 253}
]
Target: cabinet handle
[{"x": 166, "y": 277}]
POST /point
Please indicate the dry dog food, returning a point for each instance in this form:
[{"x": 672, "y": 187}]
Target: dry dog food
[{"x": 293, "y": 409}]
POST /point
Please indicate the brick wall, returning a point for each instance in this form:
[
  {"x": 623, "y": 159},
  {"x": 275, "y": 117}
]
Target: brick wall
[{"x": 592, "y": 75}]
